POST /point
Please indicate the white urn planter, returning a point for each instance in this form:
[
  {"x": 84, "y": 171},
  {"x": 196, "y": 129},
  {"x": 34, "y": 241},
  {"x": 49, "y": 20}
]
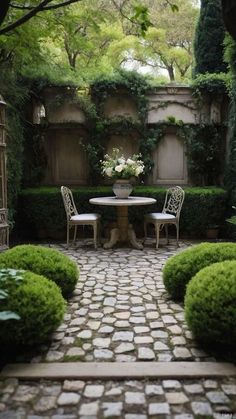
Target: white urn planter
[{"x": 122, "y": 188}]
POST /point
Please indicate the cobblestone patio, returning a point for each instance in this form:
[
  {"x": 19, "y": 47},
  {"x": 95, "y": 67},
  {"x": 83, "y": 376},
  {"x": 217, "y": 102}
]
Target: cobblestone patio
[
  {"x": 120, "y": 311},
  {"x": 124, "y": 399}
]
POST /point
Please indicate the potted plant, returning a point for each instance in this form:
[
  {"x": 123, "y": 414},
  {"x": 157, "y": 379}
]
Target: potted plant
[
  {"x": 212, "y": 231},
  {"x": 117, "y": 167}
]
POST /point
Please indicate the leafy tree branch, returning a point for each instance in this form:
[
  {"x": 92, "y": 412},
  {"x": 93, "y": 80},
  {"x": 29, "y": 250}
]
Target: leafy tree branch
[{"x": 33, "y": 10}]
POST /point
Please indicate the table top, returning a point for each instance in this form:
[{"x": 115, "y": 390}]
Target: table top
[{"x": 132, "y": 200}]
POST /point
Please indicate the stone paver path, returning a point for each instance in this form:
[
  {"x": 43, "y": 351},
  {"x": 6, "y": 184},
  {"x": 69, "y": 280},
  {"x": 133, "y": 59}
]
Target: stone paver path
[{"x": 120, "y": 311}]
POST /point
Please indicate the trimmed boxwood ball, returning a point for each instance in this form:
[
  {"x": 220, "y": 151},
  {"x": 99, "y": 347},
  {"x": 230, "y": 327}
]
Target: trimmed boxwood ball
[
  {"x": 210, "y": 307},
  {"x": 43, "y": 261},
  {"x": 179, "y": 269},
  {"x": 40, "y": 305}
]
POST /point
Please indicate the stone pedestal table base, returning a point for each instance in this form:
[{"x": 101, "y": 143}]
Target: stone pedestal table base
[{"x": 124, "y": 232}]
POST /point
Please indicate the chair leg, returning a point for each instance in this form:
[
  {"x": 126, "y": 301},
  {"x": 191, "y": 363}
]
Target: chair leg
[
  {"x": 95, "y": 232},
  {"x": 166, "y": 231},
  {"x": 157, "y": 228},
  {"x": 99, "y": 232},
  {"x": 67, "y": 235},
  {"x": 145, "y": 230},
  {"x": 177, "y": 234},
  {"x": 75, "y": 233}
]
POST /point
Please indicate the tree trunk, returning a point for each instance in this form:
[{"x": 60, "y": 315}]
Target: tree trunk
[
  {"x": 4, "y": 9},
  {"x": 171, "y": 73}
]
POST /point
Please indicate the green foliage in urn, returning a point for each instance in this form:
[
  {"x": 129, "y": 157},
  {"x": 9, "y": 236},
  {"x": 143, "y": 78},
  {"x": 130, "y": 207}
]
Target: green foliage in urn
[
  {"x": 43, "y": 261},
  {"x": 40, "y": 306},
  {"x": 180, "y": 269},
  {"x": 210, "y": 304}
]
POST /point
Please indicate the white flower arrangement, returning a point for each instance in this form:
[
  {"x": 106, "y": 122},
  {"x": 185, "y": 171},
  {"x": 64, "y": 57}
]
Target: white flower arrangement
[{"x": 117, "y": 167}]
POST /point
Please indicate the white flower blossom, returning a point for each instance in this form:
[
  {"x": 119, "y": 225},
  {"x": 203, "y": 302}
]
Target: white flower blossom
[
  {"x": 138, "y": 170},
  {"x": 130, "y": 161},
  {"x": 121, "y": 160},
  {"x": 108, "y": 171},
  {"x": 116, "y": 166},
  {"x": 119, "y": 168}
]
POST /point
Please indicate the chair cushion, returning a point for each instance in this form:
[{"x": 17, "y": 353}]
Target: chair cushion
[
  {"x": 160, "y": 216},
  {"x": 85, "y": 217}
]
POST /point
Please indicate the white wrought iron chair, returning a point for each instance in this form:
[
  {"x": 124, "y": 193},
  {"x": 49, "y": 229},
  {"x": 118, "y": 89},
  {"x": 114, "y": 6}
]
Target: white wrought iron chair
[
  {"x": 170, "y": 214},
  {"x": 74, "y": 218}
]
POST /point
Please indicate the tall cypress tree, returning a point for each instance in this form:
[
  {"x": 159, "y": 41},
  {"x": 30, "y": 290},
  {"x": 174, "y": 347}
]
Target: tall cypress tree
[{"x": 209, "y": 37}]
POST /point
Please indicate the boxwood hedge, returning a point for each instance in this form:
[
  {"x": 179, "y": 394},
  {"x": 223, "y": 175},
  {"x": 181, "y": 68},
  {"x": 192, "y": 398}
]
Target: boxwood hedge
[
  {"x": 43, "y": 261},
  {"x": 40, "y": 306},
  {"x": 179, "y": 269},
  {"x": 210, "y": 307},
  {"x": 41, "y": 212}
]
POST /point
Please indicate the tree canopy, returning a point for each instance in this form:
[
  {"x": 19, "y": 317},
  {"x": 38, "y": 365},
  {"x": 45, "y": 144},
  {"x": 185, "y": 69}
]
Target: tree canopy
[
  {"x": 77, "y": 40},
  {"x": 168, "y": 45}
]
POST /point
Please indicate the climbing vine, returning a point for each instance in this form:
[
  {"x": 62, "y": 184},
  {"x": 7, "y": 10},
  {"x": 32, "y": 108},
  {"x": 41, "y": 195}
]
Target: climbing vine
[
  {"x": 131, "y": 82},
  {"x": 203, "y": 142},
  {"x": 204, "y": 149}
]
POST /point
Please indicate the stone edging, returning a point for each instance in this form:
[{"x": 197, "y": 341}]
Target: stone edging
[{"x": 118, "y": 370}]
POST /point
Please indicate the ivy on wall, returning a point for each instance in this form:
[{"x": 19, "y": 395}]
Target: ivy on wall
[
  {"x": 211, "y": 84},
  {"x": 204, "y": 149},
  {"x": 230, "y": 178},
  {"x": 203, "y": 141},
  {"x": 35, "y": 160},
  {"x": 132, "y": 82},
  {"x": 15, "y": 93}
]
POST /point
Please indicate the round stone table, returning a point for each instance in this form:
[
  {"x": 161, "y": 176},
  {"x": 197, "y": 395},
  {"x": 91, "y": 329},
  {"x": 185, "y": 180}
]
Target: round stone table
[{"x": 124, "y": 231}]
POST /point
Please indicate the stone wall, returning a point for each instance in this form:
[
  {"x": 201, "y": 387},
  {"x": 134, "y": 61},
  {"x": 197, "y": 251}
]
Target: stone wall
[{"x": 66, "y": 131}]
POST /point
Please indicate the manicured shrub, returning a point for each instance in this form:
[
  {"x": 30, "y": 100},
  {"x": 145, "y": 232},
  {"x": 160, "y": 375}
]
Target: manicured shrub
[
  {"x": 43, "y": 261},
  {"x": 179, "y": 270},
  {"x": 40, "y": 306},
  {"x": 210, "y": 307}
]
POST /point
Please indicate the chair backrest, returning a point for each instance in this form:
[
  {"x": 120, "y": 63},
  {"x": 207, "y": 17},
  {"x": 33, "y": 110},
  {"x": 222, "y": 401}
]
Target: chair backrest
[
  {"x": 173, "y": 201},
  {"x": 68, "y": 200}
]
